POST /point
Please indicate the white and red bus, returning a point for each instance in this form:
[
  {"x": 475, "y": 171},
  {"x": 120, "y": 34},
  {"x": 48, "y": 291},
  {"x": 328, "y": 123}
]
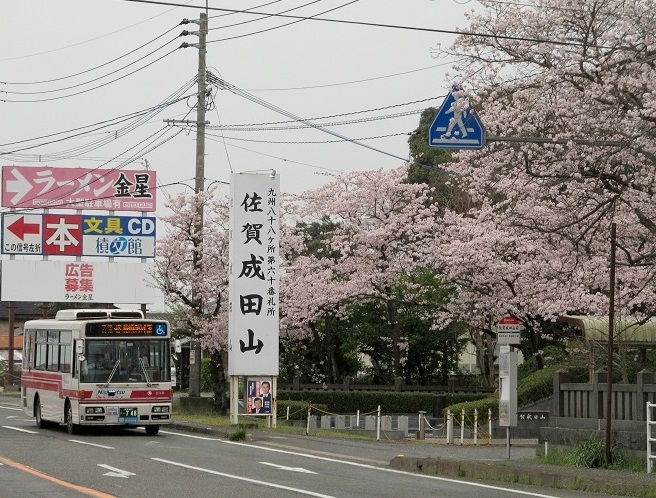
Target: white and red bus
[{"x": 97, "y": 368}]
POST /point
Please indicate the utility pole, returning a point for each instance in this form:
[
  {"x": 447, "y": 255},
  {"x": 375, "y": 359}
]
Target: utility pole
[
  {"x": 611, "y": 331},
  {"x": 195, "y": 349}
]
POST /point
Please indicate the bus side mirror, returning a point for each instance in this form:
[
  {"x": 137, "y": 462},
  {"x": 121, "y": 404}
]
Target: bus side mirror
[
  {"x": 178, "y": 346},
  {"x": 79, "y": 347}
]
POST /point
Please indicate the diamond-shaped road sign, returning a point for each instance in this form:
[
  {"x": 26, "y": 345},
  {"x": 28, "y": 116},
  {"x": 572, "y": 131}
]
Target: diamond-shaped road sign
[{"x": 456, "y": 126}]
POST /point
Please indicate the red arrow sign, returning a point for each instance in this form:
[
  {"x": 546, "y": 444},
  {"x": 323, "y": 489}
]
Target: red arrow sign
[{"x": 19, "y": 228}]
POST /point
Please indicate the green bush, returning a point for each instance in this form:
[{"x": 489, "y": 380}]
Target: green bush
[
  {"x": 483, "y": 405},
  {"x": 238, "y": 435},
  {"x": 205, "y": 376},
  {"x": 530, "y": 389},
  {"x": 592, "y": 454}
]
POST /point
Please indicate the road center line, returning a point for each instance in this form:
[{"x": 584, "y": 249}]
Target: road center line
[{"x": 246, "y": 479}]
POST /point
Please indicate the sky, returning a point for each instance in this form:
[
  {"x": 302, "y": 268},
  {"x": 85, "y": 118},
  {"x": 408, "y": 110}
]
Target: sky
[{"x": 69, "y": 65}]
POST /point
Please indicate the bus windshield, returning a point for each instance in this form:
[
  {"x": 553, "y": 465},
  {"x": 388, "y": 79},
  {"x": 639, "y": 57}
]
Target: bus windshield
[{"x": 121, "y": 360}]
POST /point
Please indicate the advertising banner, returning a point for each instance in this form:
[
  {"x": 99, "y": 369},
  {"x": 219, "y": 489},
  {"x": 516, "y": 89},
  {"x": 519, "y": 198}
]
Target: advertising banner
[
  {"x": 79, "y": 188},
  {"x": 253, "y": 331},
  {"x": 76, "y": 282},
  {"x": 78, "y": 235}
]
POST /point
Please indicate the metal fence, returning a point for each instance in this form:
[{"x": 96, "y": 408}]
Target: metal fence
[{"x": 588, "y": 400}]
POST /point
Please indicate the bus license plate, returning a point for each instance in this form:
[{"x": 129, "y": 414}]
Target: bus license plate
[{"x": 128, "y": 415}]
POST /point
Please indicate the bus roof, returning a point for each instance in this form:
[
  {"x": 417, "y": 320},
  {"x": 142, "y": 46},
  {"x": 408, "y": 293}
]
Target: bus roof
[{"x": 97, "y": 314}]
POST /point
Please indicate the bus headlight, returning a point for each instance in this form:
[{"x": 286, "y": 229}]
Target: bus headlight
[
  {"x": 160, "y": 409},
  {"x": 94, "y": 409}
]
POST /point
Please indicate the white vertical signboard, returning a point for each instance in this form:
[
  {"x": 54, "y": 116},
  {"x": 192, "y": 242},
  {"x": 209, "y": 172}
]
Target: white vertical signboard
[{"x": 253, "y": 331}]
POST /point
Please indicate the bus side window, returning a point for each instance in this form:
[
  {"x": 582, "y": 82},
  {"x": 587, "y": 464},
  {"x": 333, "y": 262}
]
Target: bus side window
[{"x": 74, "y": 360}]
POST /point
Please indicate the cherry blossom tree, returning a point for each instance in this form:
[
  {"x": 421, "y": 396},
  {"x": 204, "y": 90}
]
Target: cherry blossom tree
[
  {"x": 564, "y": 90},
  {"x": 191, "y": 270},
  {"x": 382, "y": 228}
]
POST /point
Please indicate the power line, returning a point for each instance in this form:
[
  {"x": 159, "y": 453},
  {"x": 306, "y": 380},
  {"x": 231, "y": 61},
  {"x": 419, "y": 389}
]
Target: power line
[
  {"x": 131, "y": 52},
  {"x": 88, "y": 89},
  {"x": 237, "y": 91},
  {"x": 85, "y": 41},
  {"x": 299, "y": 19},
  {"x": 313, "y": 142},
  {"x": 144, "y": 115},
  {"x": 380, "y": 25},
  {"x": 327, "y": 85},
  {"x": 269, "y": 125},
  {"x": 260, "y": 19},
  {"x": 304, "y": 126}
]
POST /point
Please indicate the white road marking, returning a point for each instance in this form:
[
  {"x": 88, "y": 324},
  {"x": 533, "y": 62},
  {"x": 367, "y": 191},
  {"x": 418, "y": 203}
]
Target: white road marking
[
  {"x": 246, "y": 479},
  {"x": 363, "y": 465},
  {"x": 292, "y": 469},
  {"x": 19, "y": 429},
  {"x": 116, "y": 472},
  {"x": 11, "y": 408},
  {"x": 12, "y": 416},
  {"x": 91, "y": 444}
]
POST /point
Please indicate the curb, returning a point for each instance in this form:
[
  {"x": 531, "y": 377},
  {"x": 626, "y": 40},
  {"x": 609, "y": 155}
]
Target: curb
[{"x": 535, "y": 474}]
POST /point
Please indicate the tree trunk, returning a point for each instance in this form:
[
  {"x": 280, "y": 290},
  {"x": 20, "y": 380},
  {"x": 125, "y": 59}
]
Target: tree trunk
[{"x": 219, "y": 382}]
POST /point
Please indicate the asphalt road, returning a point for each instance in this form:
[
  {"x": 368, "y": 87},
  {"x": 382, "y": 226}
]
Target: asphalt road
[{"x": 128, "y": 463}]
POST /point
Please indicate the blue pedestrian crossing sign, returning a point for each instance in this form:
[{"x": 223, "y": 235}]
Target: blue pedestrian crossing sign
[{"x": 456, "y": 126}]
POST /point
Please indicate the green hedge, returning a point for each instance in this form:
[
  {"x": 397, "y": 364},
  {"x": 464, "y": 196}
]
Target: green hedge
[
  {"x": 532, "y": 388},
  {"x": 367, "y": 401}
]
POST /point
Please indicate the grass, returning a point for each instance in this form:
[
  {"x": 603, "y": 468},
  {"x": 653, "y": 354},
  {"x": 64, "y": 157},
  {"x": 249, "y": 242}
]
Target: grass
[{"x": 580, "y": 457}]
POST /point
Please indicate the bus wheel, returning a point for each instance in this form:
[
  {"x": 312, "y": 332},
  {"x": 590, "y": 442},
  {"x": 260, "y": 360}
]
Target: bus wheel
[
  {"x": 40, "y": 423},
  {"x": 152, "y": 430},
  {"x": 71, "y": 428}
]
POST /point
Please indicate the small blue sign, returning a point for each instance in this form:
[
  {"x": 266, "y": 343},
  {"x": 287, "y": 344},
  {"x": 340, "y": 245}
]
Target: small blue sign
[
  {"x": 456, "y": 126},
  {"x": 118, "y": 225}
]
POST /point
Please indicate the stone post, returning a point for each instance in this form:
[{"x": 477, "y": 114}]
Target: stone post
[
  {"x": 645, "y": 376},
  {"x": 560, "y": 377}
]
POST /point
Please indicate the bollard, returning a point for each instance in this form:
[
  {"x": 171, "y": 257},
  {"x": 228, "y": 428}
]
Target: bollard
[
  {"x": 421, "y": 435},
  {"x": 307, "y": 427},
  {"x": 357, "y": 419},
  {"x": 287, "y": 412},
  {"x": 489, "y": 426},
  {"x": 462, "y": 427},
  {"x": 378, "y": 425},
  {"x": 475, "y": 426},
  {"x": 449, "y": 427}
]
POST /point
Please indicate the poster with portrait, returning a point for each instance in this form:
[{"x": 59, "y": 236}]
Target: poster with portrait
[{"x": 259, "y": 399}]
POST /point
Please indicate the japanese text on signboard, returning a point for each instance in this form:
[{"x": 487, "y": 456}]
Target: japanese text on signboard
[
  {"x": 254, "y": 277},
  {"x": 78, "y": 188}
]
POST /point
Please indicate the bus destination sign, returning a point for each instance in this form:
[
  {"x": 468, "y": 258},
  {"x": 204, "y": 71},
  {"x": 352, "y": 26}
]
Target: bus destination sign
[{"x": 126, "y": 329}]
